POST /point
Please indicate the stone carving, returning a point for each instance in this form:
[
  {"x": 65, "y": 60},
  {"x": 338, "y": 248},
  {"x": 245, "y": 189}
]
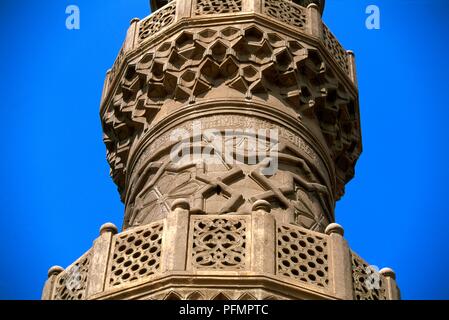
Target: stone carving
[
  {"x": 220, "y": 186},
  {"x": 164, "y": 183},
  {"x": 219, "y": 243},
  {"x": 214, "y": 294},
  {"x": 136, "y": 254},
  {"x": 156, "y": 22},
  {"x": 225, "y": 228},
  {"x": 287, "y": 12},
  {"x": 335, "y": 49},
  {"x": 252, "y": 62},
  {"x": 234, "y": 121},
  {"x": 302, "y": 256},
  {"x": 71, "y": 284},
  {"x": 117, "y": 64},
  {"x": 212, "y": 190},
  {"x": 304, "y": 199},
  {"x": 364, "y": 287},
  {"x": 204, "y": 7}
]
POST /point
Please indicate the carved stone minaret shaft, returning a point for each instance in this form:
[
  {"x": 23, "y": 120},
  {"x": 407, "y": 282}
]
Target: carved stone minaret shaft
[{"x": 270, "y": 67}]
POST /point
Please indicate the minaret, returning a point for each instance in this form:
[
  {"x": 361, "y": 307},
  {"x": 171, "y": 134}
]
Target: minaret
[{"x": 231, "y": 127}]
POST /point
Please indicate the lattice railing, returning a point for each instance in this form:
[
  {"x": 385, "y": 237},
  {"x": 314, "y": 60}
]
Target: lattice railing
[
  {"x": 72, "y": 283},
  {"x": 117, "y": 64},
  {"x": 162, "y": 18},
  {"x": 135, "y": 254},
  {"x": 218, "y": 244},
  {"x": 287, "y": 12},
  {"x": 335, "y": 49},
  {"x": 368, "y": 283},
  {"x": 206, "y": 7},
  {"x": 302, "y": 255}
]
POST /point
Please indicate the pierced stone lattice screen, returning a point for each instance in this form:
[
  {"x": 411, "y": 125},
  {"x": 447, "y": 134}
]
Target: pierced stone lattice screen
[
  {"x": 136, "y": 254},
  {"x": 287, "y": 12},
  {"x": 160, "y": 19},
  {"x": 117, "y": 64},
  {"x": 335, "y": 49},
  {"x": 219, "y": 243},
  {"x": 71, "y": 284},
  {"x": 302, "y": 255},
  {"x": 217, "y": 6},
  {"x": 368, "y": 284}
]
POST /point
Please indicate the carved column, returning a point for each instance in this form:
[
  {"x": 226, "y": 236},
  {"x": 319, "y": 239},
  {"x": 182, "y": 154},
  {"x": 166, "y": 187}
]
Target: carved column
[
  {"x": 100, "y": 258},
  {"x": 392, "y": 289},
  {"x": 252, "y": 5},
  {"x": 315, "y": 22},
  {"x": 132, "y": 35},
  {"x": 53, "y": 272},
  {"x": 352, "y": 66},
  {"x": 340, "y": 262},
  {"x": 174, "y": 246},
  {"x": 184, "y": 9},
  {"x": 263, "y": 238}
]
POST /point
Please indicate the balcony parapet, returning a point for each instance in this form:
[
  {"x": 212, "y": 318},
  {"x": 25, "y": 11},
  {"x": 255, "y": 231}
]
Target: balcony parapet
[{"x": 201, "y": 249}]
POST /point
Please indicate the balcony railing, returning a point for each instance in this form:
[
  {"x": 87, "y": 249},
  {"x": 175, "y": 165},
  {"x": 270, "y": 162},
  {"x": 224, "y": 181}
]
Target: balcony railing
[
  {"x": 220, "y": 245},
  {"x": 306, "y": 21}
]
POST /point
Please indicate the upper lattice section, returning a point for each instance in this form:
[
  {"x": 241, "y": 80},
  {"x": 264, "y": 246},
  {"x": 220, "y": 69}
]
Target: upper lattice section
[
  {"x": 296, "y": 15},
  {"x": 157, "y": 4},
  {"x": 290, "y": 12},
  {"x": 275, "y": 45}
]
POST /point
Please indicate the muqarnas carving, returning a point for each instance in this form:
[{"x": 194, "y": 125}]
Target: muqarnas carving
[{"x": 251, "y": 61}]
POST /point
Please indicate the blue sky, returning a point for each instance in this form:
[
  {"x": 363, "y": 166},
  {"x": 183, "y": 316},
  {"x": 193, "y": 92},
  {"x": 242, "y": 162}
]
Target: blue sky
[{"x": 56, "y": 191}]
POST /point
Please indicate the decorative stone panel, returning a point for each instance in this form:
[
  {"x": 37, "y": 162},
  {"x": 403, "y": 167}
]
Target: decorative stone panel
[
  {"x": 219, "y": 243},
  {"x": 287, "y": 12},
  {"x": 117, "y": 64},
  {"x": 72, "y": 283},
  {"x": 302, "y": 255},
  {"x": 335, "y": 49},
  {"x": 136, "y": 254},
  {"x": 154, "y": 23},
  {"x": 205, "y": 7},
  {"x": 369, "y": 284}
]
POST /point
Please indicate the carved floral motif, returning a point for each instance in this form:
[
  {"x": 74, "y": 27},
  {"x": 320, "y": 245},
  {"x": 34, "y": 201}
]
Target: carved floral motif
[{"x": 219, "y": 244}]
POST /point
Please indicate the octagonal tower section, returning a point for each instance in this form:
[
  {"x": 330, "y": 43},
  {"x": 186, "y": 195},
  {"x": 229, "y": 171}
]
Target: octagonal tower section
[{"x": 232, "y": 128}]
